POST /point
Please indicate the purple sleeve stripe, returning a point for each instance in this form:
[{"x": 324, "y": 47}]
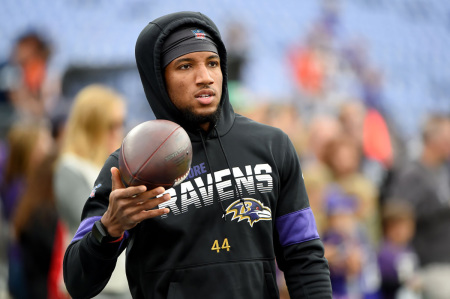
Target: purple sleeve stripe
[
  {"x": 297, "y": 227},
  {"x": 85, "y": 227}
]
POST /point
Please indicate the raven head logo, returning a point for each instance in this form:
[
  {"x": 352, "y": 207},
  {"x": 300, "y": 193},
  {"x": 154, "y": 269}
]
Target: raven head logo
[{"x": 250, "y": 209}]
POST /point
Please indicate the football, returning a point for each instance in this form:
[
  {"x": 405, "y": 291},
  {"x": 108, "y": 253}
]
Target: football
[{"x": 155, "y": 153}]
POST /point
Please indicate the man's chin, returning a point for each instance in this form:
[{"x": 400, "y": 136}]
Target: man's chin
[{"x": 200, "y": 119}]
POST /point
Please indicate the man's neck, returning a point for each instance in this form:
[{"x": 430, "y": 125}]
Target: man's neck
[{"x": 205, "y": 126}]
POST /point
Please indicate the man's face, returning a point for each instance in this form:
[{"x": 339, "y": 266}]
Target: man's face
[
  {"x": 440, "y": 140},
  {"x": 194, "y": 84},
  {"x": 445, "y": 146}
]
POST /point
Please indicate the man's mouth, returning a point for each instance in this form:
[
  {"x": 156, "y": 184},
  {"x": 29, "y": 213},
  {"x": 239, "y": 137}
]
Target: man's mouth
[{"x": 205, "y": 97}]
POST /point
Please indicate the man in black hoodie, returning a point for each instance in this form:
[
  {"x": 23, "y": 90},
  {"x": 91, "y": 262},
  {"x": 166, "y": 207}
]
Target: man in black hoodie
[{"x": 243, "y": 205}]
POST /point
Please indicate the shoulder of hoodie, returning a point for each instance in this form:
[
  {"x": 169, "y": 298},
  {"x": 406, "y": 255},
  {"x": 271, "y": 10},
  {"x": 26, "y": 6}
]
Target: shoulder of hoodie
[
  {"x": 115, "y": 154},
  {"x": 113, "y": 160}
]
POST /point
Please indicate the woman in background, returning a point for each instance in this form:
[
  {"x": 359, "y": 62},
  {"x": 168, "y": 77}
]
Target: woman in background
[
  {"x": 94, "y": 130},
  {"x": 27, "y": 143},
  {"x": 40, "y": 235}
]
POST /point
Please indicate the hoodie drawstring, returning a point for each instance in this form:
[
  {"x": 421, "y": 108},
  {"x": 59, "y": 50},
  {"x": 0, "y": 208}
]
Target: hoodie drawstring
[
  {"x": 238, "y": 192},
  {"x": 212, "y": 174}
]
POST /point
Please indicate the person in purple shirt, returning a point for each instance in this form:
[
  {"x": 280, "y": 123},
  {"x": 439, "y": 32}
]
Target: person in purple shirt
[
  {"x": 353, "y": 268},
  {"x": 396, "y": 258}
]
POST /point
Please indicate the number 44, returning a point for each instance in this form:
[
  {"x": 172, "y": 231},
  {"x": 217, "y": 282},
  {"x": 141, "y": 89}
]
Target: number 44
[{"x": 225, "y": 245}]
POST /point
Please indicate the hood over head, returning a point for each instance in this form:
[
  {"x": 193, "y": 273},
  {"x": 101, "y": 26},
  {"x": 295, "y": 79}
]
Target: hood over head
[{"x": 151, "y": 70}]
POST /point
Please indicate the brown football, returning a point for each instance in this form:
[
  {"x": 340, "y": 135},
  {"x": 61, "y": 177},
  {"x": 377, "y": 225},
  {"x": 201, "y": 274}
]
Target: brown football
[{"x": 155, "y": 153}]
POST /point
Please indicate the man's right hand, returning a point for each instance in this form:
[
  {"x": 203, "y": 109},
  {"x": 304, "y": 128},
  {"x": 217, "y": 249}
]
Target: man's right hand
[{"x": 129, "y": 206}]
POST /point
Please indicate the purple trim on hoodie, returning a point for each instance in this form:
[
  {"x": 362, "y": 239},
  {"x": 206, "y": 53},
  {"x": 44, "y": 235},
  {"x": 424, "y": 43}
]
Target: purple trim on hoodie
[{"x": 297, "y": 227}]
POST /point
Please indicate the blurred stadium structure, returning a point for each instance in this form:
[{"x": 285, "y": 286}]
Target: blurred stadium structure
[{"x": 407, "y": 40}]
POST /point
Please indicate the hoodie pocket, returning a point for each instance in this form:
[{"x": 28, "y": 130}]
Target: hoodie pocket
[
  {"x": 174, "y": 291},
  {"x": 236, "y": 280},
  {"x": 271, "y": 285}
]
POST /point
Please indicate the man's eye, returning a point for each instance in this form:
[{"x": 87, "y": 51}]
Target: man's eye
[
  {"x": 184, "y": 67},
  {"x": 213, "y": 63}
]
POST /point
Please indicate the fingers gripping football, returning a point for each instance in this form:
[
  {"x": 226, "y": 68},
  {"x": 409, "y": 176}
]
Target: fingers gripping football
[{"x": 129, "y": 206}]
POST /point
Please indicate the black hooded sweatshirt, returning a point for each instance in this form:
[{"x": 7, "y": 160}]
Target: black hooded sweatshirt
[{"x": 242, "y": 209}]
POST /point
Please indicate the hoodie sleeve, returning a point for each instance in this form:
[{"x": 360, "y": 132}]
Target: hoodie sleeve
[
  {"x": 88, "y": 265},
  {"x": 299, "y": 250}
]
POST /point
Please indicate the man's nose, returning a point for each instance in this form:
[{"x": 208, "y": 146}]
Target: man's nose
[{"x": 204, "y": 76}]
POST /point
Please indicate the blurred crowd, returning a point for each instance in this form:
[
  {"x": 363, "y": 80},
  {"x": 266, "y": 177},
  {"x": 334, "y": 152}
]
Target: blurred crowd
[
  {"x": 382, "y": 206},
  {"x": 385, "y": 226},
  {"x": 48, "y": 164},
  {"x": 383, "y": 214}
]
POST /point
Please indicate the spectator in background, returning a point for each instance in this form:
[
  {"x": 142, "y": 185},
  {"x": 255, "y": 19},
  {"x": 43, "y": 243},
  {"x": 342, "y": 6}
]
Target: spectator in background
[
  {"x": 27, "y": 144},
  {"x": 40, "y": 235},
  {"x": 369, "y": 130},
  {"x": 4, "y": 231},
  {"x": 317, "y": 175},
  {"x": 309, "y": 62},
  {"x": 31, "y": 92},
  {"x": 353, "y": 267},
  {"x": 425, "y": 184},
  {"x": 236, "y": 37},
  {"x": 287, "y": 118},
  {"x": 321, "y": 130},
  {"x": 342, "y": 156},
  {"x": 397, "y": 260},
  {"x": 93, "y": 131},
  {"x": 283, "y": 116}
]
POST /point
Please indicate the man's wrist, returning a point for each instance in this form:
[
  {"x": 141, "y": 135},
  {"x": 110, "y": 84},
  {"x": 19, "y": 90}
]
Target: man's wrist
[
  {"x": 101, "y": 234},
  {"x": 110, "y": 228}
]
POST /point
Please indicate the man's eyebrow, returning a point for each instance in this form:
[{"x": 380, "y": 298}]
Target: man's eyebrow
[
  {"x": 187, "y": 59},
  {"x": 183, "y": 60},
  {"x": 214, "y": 56}
]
